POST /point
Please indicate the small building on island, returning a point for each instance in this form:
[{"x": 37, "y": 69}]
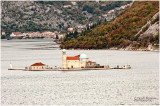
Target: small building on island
[
  {"x": 90, "y": 64},
  {"x": 37, "y": 66}
]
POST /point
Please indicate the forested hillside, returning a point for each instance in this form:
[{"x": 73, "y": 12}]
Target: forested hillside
[{"x": 135, "y": 26}]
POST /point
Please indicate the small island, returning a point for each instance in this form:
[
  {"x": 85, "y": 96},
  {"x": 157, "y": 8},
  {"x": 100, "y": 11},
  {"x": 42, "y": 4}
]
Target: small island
[{"x": 74, "y": 63}]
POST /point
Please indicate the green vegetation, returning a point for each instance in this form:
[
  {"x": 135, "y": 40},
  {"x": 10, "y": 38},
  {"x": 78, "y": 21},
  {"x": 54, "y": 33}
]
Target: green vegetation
[
  {"x": 20, "y": 37},
  {"x": 3, "y": 37},
  {"x": 119, "y": 33},
  {"x": 113, "y": 5},
  {"x": 74, "y": 35},
  {"x": 57, "y": 37},
  {"x": 88, "y": 8}
]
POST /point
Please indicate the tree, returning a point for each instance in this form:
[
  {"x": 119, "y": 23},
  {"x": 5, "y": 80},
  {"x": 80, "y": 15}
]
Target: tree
[
  {"x": 20, "y": 37},
  {"x": 8, "y": 34},
  {"x": 105, "y": 20},
  {"x": 3, "y": 37},
  {"x": 88, "y": 8},
  {"x": 57, "y": 37},
  {"x": 75, "y": 34}
]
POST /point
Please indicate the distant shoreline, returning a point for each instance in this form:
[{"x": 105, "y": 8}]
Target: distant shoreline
[
  {"x": 114, "y": 48},
  {"x": 156, "y": 50},
  {"x": 122, "y": 49}
]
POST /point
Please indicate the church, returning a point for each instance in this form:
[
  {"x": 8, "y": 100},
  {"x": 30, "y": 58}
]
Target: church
[{"x": 79, "y": 61}]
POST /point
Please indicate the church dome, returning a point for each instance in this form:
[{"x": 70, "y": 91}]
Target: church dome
[{"x": 83, "y": 56}]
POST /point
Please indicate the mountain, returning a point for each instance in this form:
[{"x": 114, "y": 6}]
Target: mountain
[
  {"x": 52, "y": 15},
  {"x": 137, "y": 26}
]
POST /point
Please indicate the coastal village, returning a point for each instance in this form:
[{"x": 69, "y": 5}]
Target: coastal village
[{"x": 45, "y": 34}]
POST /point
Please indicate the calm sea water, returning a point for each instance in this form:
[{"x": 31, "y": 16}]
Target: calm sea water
[{"x": 138, "y": 85}]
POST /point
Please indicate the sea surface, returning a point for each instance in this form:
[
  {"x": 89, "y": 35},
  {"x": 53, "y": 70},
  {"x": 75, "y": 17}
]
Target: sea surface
[{"x": 135, "y": 86}]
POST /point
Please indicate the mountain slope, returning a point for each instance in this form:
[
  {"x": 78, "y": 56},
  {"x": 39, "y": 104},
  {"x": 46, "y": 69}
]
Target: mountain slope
[
  {"x": 52, "y": 15},
  {"x": 121, "y": 32}
]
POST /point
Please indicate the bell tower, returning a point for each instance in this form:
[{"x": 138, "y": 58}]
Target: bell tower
[{"x": 64, "y": 56}]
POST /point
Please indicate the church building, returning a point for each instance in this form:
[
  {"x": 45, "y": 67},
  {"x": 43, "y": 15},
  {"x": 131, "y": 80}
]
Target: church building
[{"x": 79, "y": 61}]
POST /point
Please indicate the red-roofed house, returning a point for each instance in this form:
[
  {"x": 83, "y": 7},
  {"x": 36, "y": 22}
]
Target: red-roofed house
[
  {"x": 15, "y": 34},
  {"x": 37, "y": 66},
  {"x": 3, "y": 32}
]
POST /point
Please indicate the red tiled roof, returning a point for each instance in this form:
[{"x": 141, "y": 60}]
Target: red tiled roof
[
  {"x": 89, "y": 61},
  {"x": 77, "y": 56},
  {"x": 38, "y": 64},
  {"x": 17, "y": 33},
  {"x": 73, "y": 58}
]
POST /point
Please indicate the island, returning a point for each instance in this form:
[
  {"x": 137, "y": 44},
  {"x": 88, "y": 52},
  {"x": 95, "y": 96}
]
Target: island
[{"x": 74, "y": 63}]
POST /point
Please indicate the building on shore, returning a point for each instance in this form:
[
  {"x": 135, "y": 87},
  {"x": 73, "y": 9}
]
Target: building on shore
[
  {"x": 48, "y": 34},
  {"x": 60, "y": 36},
  {"x": 16, "y": 34},
  {"x": 79, "y": 61},
  {"x": 71, "y": 30},
  {"x": 3, "y": 32},
  {"x": 37, "y": 66}
]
